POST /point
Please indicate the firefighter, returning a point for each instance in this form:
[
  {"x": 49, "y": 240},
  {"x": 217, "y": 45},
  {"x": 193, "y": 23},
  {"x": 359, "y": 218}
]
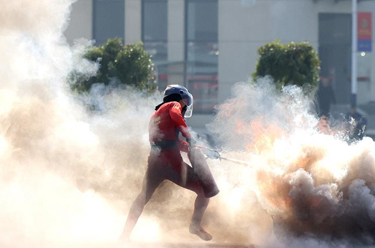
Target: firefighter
[{"x": 165, "y": 161}]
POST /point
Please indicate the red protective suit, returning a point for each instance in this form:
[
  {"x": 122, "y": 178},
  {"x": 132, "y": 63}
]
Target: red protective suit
[
  {"x": 164, "y": 128},
  {"x": 165, "y": 124},
  {"x": 165, "y": 163}
]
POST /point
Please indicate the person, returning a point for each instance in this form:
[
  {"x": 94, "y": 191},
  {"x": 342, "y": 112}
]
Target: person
[
  {"x": 356, "y": 124},
  {"x": 326, "y": 97},
  {"x": 165, "y": 161}
]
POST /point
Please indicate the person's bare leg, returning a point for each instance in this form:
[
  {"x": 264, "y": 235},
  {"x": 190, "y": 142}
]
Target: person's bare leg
[
  {"x": 190, "y": 181},
  {"x": 133, "y": 216},
  {"x": 200, "y": 205},
  {"x": 148, "y": 188}
]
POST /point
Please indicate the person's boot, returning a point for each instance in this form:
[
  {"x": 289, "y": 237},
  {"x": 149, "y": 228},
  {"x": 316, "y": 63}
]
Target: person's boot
[{"x": 198, "y": 230}]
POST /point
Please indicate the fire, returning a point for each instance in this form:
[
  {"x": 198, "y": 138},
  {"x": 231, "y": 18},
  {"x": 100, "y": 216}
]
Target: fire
[
  {"x": 263, "y": 134},
  {"x": 277, "y": 163},
  {"x": 270, "y": 187},
  {"x": 270, "y": 178}
]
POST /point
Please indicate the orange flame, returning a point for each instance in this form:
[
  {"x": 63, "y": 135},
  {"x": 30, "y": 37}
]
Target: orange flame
[
  {"x": 272, "y": 190},
  {"x": 263, "y": 134}
]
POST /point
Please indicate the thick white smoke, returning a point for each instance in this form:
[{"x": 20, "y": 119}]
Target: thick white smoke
[
  {"x": 318, "y": 189},
  {"x": 68, "y": 175}
]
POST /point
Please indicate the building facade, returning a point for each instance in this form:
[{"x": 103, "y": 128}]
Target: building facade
[{"x": 209, "y": 45}]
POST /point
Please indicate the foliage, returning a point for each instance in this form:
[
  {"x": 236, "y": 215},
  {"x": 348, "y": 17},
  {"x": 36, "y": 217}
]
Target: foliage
[
  {"x": 127, "y": 65},
  {"x": 292, "y": 63}
]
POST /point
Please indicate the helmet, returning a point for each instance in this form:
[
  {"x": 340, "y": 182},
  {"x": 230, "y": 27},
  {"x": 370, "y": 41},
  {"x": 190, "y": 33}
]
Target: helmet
[{"x": 175, "y": 89}]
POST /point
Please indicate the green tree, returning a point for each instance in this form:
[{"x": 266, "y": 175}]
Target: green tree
[
  {"x": 292, "y": 63},
  {"x": 128, "y": 65}
]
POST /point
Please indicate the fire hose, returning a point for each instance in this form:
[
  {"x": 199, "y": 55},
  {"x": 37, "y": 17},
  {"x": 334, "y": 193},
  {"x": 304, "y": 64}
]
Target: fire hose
[
  {"x": 236, "y": 161},
  {"x": 202, "y": 170},
  {"x": 214, "y": 154}
]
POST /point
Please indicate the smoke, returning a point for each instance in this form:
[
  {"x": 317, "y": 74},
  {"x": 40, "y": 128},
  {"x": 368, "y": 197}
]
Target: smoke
[
  {"x": 69, "y": 175},
  {"x": 317, "y": 188}
]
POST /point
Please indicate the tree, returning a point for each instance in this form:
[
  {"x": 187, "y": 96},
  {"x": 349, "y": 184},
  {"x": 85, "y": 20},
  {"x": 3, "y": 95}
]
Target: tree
[
  {"x": 128, "y": 65},
  {"x": 292, "y": 63}
]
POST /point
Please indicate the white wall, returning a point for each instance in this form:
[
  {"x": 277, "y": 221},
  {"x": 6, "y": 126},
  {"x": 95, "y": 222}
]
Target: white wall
[
  {"x": 133, "y": 20},
  {"x": 242, "y": 29},
  {"x": 176, "y": 34},
  {"x": 80, "y": 24}
]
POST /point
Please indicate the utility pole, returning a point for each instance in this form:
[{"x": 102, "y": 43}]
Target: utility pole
[{"x": 354, "y": 54}]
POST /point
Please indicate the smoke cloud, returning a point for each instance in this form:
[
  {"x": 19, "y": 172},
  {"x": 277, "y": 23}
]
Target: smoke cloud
[
  {"x": 317, "y": 188},
  {"x": 68, "y": 175}
]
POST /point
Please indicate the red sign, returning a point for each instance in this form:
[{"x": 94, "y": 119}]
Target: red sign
[
  {"x": 364, "y": 25},
  {"x": 364, "y": 32}
]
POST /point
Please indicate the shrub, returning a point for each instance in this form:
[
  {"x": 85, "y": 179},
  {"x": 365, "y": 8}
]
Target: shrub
[
  {"x": 292, "y": 63},
  {"x": 128, "y": 65}
]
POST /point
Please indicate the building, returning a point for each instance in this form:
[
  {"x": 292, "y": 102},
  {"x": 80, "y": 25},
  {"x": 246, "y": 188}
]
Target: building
[{"x": 208, "y": 45}]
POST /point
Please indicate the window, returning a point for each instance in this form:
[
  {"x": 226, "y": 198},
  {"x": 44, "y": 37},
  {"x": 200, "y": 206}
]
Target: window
[
  {"x": 202, "y": 53},
  {"x": 109, "y": 20},
  {"x": 155, "y": 35},
  {"x": 202, "y": 20}
]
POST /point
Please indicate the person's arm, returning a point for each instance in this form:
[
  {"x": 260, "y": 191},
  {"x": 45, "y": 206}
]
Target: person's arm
[
  {"x": 176, "y": 115},
  {"x": 178, "y": 120}
]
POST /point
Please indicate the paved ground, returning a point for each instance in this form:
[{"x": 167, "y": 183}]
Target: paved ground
[
  {"x": 132, "y": 245},
  {"x": 192, "y": 245}
]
